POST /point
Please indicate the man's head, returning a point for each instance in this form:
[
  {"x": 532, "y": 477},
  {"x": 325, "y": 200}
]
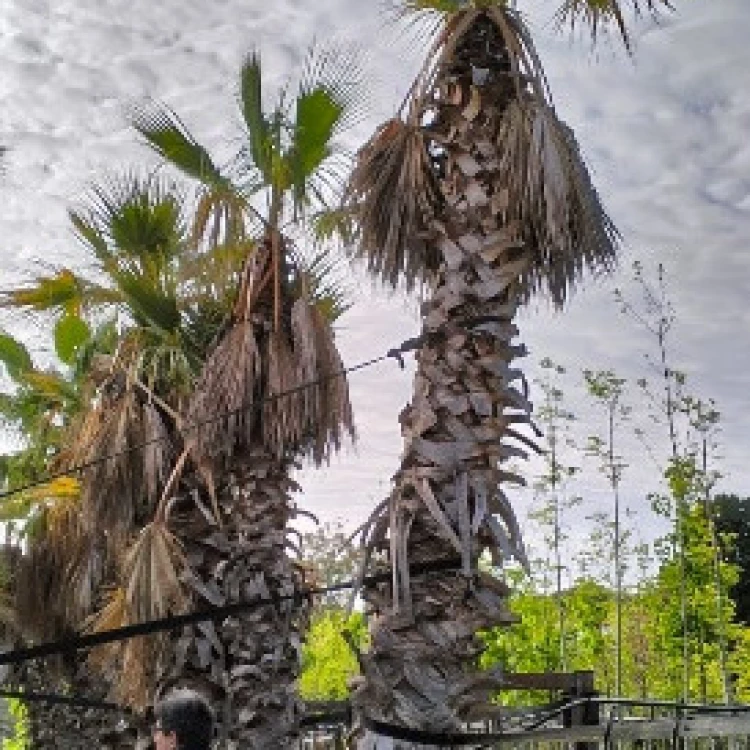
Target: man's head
[{"x": 183, "y": 721}]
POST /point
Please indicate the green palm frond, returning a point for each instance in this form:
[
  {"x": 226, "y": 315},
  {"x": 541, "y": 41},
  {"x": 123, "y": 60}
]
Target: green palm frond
[
  {"x": 165, "y": 132},
  {"x": 259, "y": 135},
  {"x": 330, "y": 99},
  {"x": 150, "y": 300},
  {"x": 596, "y": 15},
  {"x": 14, "y": 355},
  {"x": 63, "y": 291},
  {"x": 71, "y": 334},
  {"x": 132, "y": 217},
  {"x": 142, "y": 217}
]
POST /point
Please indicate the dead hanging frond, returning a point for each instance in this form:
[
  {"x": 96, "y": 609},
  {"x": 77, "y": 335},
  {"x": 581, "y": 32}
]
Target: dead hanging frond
[
  {"x": 150, "y": 589},
  {"x": 128, "y": 666},
  {"x": 597, "y": 15},
  {"x": 224, "y": 400},
  {"x": 123, "y": 483},
  {"x": 394, "y": 192},
  {"x": 551, "y": 195},
  {"x": 151, "y": 574},
  {"x": 63, "y": 567},
  {"x": 307, "y": 410},
  {"x": 335, "y": 417}
]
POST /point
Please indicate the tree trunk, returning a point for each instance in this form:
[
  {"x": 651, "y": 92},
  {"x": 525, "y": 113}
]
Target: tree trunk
[
  {"x": 247, "y": 665},
  {"x": 421, "y": 671}
]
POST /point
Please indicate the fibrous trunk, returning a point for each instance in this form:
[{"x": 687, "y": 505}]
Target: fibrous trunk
[
  {"x": 449, "y": 497},
  {"x": 247, "y": 665}
]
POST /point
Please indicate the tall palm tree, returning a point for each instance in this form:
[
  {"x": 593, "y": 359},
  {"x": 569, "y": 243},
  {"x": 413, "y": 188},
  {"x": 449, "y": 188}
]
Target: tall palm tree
[{"x": 477, "y": 193}]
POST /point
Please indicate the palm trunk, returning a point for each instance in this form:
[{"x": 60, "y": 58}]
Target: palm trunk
[
  {"x": 421, "y": 671},
  {"x": 246, "y": 665}
]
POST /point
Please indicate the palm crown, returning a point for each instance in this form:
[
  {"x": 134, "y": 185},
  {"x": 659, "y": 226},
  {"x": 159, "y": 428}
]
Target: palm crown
[{"x": 539, "y": 178}]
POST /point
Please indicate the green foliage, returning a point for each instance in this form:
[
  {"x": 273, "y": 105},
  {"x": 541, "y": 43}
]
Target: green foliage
[
  {"x": 20, "y": 739},
  {"x": 327, "y": 659},
  {"x": 71, "y": 334},
  {"x": 14, "y": 355}
]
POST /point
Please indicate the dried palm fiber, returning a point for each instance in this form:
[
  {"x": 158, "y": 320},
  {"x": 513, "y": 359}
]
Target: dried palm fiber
[
  {"x": 149, "y": 588},
  {"x": 516, "y": 213},
  {"x": 247, "y": 665},
  {"x": 63, "y": 566},
  {"x": 127, "y": 440}
]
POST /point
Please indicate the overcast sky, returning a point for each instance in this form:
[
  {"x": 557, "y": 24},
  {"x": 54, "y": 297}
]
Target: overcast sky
[{"x": 665, "y": 135}]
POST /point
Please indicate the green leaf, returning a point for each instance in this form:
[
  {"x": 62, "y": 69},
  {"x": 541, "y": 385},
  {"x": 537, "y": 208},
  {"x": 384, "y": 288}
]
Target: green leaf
[
  {"x": 258, "y": 130},
  {"x": 168, "y": 136},
  {"x": 71, "y": 333},
  {"x": 318, "y": 115},
  {"x": 14, "y": 355},
  {"x": 63, "y": 291}
]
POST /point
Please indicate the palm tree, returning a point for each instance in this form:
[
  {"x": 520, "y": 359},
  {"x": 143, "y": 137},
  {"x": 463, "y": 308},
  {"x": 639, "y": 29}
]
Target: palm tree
[
  {"x": 39, "y": 409},
  {"x": 477, "y": 193},
  {"x": 223, "y": 528}
]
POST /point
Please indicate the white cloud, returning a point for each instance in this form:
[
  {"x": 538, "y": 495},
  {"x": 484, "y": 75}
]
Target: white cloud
[{"x": 666, "y": 138}]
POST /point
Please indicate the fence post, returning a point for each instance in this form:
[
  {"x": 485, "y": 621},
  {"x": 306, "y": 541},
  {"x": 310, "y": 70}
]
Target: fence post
[{"x": 586, "y": 714}]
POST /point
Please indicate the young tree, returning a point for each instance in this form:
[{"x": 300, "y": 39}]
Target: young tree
[{"x": 607, "y": 389}]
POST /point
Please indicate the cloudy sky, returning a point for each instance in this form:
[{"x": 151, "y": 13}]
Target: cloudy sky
[{"x": 665, "y": 134}]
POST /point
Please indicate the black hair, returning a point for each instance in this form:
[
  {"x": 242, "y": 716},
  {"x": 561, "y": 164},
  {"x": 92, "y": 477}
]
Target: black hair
[{"x": 188, "y": 715}]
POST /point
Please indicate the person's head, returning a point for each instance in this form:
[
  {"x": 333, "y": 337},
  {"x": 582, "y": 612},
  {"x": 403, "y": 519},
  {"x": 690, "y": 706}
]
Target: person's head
[{"x": 183, "y": 721}]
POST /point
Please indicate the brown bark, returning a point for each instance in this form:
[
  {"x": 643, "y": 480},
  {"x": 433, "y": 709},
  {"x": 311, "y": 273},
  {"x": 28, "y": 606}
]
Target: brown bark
[{"x": 247, "y": 665}]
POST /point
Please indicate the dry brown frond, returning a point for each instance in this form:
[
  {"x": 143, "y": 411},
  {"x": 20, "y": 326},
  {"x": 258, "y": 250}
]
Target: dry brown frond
[
  {"x": 151, "y": 574},
  {"x": 227, "y": 386},
  {"x": 312, "y": 419},
  {"x": 551, "y": 195},
  {"x": 129, "y": 666},
  {"x": 120, "y": 492},
  {"x": 335, "y": 417},
  {"x": 63, "y": 567},
  {"x": 394, "y": 193},
  {"x": 113, "y": 615}
]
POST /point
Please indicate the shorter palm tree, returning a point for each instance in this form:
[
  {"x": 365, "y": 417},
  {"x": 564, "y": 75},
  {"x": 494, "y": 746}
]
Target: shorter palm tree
[{"x": 275, "y": 372}]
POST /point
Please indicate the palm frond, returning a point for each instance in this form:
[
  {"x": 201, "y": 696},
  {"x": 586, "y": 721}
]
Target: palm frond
[
  {"x": 394, "y": 193},
  {"x": 597, "y": 15},
  {"x": 14, "y": 355},
  {"x": 318, "y": 279},
  {"x": 551, "y": 196},
  {"x": 151, "y": 574},
  {"x": 121, "y": 492},
  {"x": 170, "y": 138},
  {"x": 337, "y": 70},
  {"x": 228, "y": 385},
  {"x": 63, "y": 291},
  {"x": 326, "y": 409},
  {"x": 136, "y": 217},
  {"x": 260, "y": 137},
  {"x": 129, "y": 666}
]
